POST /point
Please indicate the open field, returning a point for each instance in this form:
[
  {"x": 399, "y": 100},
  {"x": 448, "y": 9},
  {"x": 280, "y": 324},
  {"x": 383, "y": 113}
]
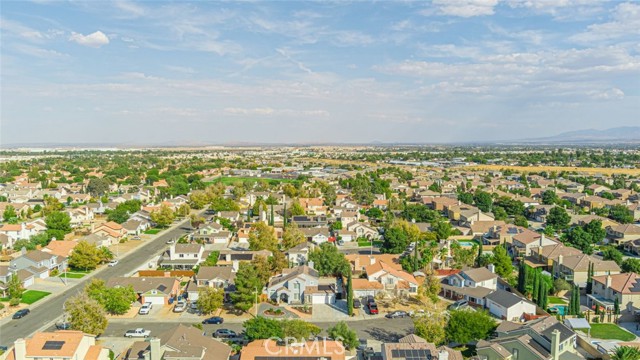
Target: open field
[{"x": 595, "y": 170}]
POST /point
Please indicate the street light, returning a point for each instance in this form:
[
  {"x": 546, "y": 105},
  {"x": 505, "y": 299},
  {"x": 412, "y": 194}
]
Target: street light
[{"x": 256, "y": 292}]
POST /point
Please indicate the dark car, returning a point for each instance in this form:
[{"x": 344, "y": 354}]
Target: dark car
[
  {"x": 396, "y": 314},
  {"x": 369, "y": 299},
  {"x": 373, "y": 308},
  {"x": 224, "y": 334},
  {"x": 213, "y": 320},
  {"x": 63, "y": 326},
  {"x": 357, "y": 304},
  {"x": 21, "y": 313}
]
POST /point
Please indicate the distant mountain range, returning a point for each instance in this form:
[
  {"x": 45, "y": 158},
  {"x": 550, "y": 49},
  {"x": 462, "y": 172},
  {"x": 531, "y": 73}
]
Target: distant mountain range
[{"x": 625, "y": 134}]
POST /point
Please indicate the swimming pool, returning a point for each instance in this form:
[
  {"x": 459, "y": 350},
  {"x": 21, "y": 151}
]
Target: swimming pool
[
  {"x": 467, "y": 243},
  {"x": 558, "y": 309}
]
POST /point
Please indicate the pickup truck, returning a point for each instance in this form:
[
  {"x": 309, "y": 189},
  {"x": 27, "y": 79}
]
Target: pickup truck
[{"x": 139, "y": 332}]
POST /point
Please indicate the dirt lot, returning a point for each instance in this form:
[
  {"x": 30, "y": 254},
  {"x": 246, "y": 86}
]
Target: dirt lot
[{"x": 607, "y": 171}]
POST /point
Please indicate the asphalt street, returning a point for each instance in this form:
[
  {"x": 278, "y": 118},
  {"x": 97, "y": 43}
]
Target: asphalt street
[
  {"x": 378, "y": 329},
  {"x": 51, "y": 308}
]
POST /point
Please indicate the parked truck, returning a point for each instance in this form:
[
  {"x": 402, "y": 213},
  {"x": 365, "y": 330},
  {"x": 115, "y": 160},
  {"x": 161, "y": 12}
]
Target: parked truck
[{"x": 139, "y": 332}]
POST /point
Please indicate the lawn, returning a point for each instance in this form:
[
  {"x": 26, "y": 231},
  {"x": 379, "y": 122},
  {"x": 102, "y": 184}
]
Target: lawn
[
  {"x": 609, "y": 332},
  {"x": 365, "y": 243},
  {"x": 230, "y": 180},
  {"x": 31, "y": 296},
  {"x": 556, "y": 300},
  {"x": 152, "y": 231},
  {"x": 72, "y": 275}
]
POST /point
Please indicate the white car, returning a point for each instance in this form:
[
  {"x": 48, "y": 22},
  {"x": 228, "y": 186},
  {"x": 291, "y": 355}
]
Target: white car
[
  {"x": 146, "y": 308},
  {"x": 170, "y": 241},
  {"x": 113, "y": 262},
  {"x": 180, "y": 306}
]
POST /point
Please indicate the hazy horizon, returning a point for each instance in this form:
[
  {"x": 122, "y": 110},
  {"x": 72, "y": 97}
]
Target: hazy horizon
[{"x": 126, "y": 72}]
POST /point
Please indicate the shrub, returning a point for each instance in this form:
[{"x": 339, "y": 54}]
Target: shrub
[{"x": 14, "y": 302}]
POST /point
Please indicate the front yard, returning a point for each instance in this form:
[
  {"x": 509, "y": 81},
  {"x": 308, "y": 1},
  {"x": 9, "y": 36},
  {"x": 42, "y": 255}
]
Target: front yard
[
  {"x": 30, "y": 296},
  {"x": 72, "y": 275},
  {"x": 365, "y": 243},
  {"x": 609, "y": 332},
  {"x": 152, "y": 231}
]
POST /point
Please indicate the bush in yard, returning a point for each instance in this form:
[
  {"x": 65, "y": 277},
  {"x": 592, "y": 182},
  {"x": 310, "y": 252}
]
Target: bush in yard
[
  {"x": 14, "y": 302},
  {"x": 465, "y": 326}
]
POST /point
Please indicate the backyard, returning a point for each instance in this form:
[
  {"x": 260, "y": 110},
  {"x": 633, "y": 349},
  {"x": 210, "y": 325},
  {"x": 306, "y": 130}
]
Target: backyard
[
  {"x": 609, "y": 332},
  {"x": 556, "y": 300}
]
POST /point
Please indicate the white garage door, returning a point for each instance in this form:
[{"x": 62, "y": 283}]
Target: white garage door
[
  {"x": 496, "y": 310},
  {"x": 323, "y": 299},
  {"x": 155, "y": 300}
]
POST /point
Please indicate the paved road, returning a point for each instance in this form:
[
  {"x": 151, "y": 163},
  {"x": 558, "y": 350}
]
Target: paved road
[
  {"x": 51, "y": 309},
  {"x": 378, "y": 329}
]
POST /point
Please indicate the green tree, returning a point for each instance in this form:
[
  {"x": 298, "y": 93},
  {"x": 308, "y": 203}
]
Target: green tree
[
  {"x": 465, "y": 326},
  {"x": 14, "y": 287},
  {"x": 431, "y": 328},
  {"x": 212, "y": 259},
  {"x": 262, "y": 237},
  {"x": 86, "y": 314},
  {"x": 561, "y": 284},
  {"x": 611, "y": 253},
  {"x": 626, "y": 353},
  {"x": 499, "y": 213},
  {"x": 349, "y": 295},
  {"x": 163, "y": 217},
  {"x": 483, "y": 201},
  {"x": 535, "y": 290},
  {"x": 522, "y": 278},
  {"x": 442, "y": 229},
  {"x": 558, "y": 218},
  {"x": 328, "y": 260},
  {"x": 466, "y": 198},
  {"x": 549, "y": 197},
  {"x": 580, "y": 239},
  {"x": 621, "y": 214},
  {"x": 210, "y": 299},
  {"x": 262, "y": 328},
  {"x": 98, "y": 187},
  {"x": 118, "y": 215},
  {"x": 9, "y": 215},
  {"x": 630, "y": 265},
  {"x": 342, "y": 332},
  {"x": 84, "y": 256},
  {"x": 58, "y": 224},
  {"x": 502, "y": 262},
  {"x": 247, "y": 283},
  {"x": 298, "y": 329},
  {"x": 199, "y": 199},
  {"x": 296, "y": 208},
  {"x": 521, "y": 221},
  {"x": 616, "y": 306},
  {"x": 292, "y": 237}
]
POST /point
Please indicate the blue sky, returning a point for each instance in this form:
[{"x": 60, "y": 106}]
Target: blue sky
[{"x": 292, "y": 71}]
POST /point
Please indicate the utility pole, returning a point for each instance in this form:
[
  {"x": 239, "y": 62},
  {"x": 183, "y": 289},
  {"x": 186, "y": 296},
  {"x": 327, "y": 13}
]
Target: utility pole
[{"x": 256, "y": 292}]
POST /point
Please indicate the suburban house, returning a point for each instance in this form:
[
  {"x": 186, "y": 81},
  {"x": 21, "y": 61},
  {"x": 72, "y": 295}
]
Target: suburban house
[
  {"x": 359, "y": 262},
  {"x": 61, "y": 248},
  {"x": 181, "y": 342},
  {"x": 99, "y": 240},
  {"x": 363, "y": 230},
  {"x": 80, "y": 215},
  {"x": 508, "y": 306},
  {"x": 294, "y": 285},
  {"x": 526, "y": 240},
  {"x": 466, "y": 215},
  {"x": 182, "y": 256},
  {"x": 135, "y": 227},
  {"x": 213, "y": 233},
  {"x": 393, "y": 280},
  {"x": 633, "y": 246},
  {"x": 299, "y": 254},
  {"x": 63, "y": 344},
  {"x": 316, "y": 235},
  {"x": 413, "y": 347},
  {"x": 18, "y": 231},
  {"x": 111, "y": 229},
  {"x": 621, "y": 234},
  {"x": 272, "y": 350},
  {"x": 575, "y": 268},
  {"x": 38, "y": 262},
  {"x": 541, "y": 339},
  {"x": 234, "y": 257},
  {"x": 606, "y": 288},
  {"x": 304, "y": 221},
  {"x": 156, "y": 290},
  {"x": 543, "y": 257},
  {"x": 219, "y": 277},
  {"x": 472, "y": 285}
]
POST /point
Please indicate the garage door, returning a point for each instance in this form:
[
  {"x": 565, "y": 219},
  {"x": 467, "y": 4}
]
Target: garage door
[
  {"x": 155, "y": 300},
  {"x": 323, "y": 299}
]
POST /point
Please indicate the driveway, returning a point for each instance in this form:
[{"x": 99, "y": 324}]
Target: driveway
[{"x": 330, "y": 312}]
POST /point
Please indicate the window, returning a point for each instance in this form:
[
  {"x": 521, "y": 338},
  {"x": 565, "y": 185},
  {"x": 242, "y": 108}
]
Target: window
[
  {"x": 515, "y": 354},
  {"x": 181, "y": 255}
]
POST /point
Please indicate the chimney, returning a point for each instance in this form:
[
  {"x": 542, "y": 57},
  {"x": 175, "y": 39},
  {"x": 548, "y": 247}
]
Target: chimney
[
  {"x": 555, "y": 345},
  {"x": 608, "y": 281},
  {"x": 155, "y": 349},
  {"x": 443, "y": 355},
  {"x": 20, "y": 349},
  {"x": 23, "y": 251},
  {"x": 235, "y": 265},
  {"x": 491, "y": 268},
  {"x": 311, "y": 264},
  {"x": 356, "y": 263},
  {"x": 560, "y": 258},
  {"x": 372, "y": 260}
]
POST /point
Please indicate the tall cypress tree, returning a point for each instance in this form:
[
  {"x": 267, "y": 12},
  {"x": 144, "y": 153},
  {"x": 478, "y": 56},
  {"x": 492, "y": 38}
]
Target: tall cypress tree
[
  {"x": 349, "y": 295},
  {"x": 543, "y": 296},
  {"x": 522, "y": 278},
  {"x": 616, "y": 306},
  {"x": 271, "y": 221},
  {"x": 541, "y": 288},
  {"x": 589, "y": 275},
  {"x": 284, "y": 214},
  {"x": 576, "y": 300},
  {"x": 570, "y": 306},
  {"x": 536, "y": 285}
]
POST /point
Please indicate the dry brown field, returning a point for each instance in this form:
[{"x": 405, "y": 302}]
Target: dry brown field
[{"x": 585, "y": 170}]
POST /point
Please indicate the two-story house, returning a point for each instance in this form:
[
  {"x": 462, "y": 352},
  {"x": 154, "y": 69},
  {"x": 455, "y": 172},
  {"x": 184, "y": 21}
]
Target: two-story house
[
  {"x": 623, "y": 233},
  {"x": 472, "y": 285},
  {"x": 606, "y": 288},
  {"x": 59, "y": 345},
  {"x": 299, "y": 254},
  {"x": 182, "y": 256},
  {"x": 393, "y": 280},
  {"x": 575, "y": 268},
  {"x": 111, "y": 229},
  {"x": 290, "y": 286},
  {"x": 316, "y": 235},
  {"x": 38, "y": 262},
  {"x": 219, "y": 277}
]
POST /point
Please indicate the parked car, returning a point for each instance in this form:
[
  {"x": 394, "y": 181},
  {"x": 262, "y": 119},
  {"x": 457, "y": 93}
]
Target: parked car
[
  {"x": 139, "y": 332},
  {"x": 357, "y": 304},
  {"x": 396, "y": 314},
  {"x": 136, "y": 237},
  {"x": 181, "y": 306},
  {"x": 63, "y": 326},
  {"x": 224, "y": 334},
  {"x": 460, "y": 304},
  {"x": 146, "y": 308},
  {"x": 213, "y": 320},
  {"x": 20, "y": 314},
  {"x": 170, "y": 241},
  {"x": 113, "y": 262},
  {"x": 369, "y": 299},
  {"x": 373, "y": 308}
]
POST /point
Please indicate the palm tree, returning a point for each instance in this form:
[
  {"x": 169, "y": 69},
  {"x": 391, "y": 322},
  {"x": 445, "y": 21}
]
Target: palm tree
[{"x": 626, "y": 353}]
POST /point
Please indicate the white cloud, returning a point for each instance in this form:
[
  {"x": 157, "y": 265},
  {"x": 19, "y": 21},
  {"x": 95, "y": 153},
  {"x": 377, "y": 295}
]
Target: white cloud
[
  {"x": 268, "y": 111},
  {"x": 625, "y": 22},
  {"x": 466, "y": 8},
  {"x": 96, "y": 39},
  {"x": 39, "y": 52}
]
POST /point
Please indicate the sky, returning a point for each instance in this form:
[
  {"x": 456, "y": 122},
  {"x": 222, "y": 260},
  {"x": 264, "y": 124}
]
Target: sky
[{"x": 208, "y": 72}]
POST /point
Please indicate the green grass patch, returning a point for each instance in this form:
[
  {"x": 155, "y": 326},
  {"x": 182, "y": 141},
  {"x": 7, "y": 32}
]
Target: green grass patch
[
  {"x": 152, "y": 231},
  {"x": 79, "y": 271},
  {"x": 609, "y": 332},
  {"x": 31, "y": 296},
  {"x": 364, "y": 243},
  {"x": 72, "y": 275},
  {"x": 556, "y": 300},
  {"x": 230, "y": 180}
]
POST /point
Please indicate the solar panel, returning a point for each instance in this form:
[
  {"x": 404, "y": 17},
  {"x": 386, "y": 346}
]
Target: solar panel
[
  {"x": 411, "y": 354},
  {"x": 53, "y": 345},
  {"x": 162, "y": 288}
]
